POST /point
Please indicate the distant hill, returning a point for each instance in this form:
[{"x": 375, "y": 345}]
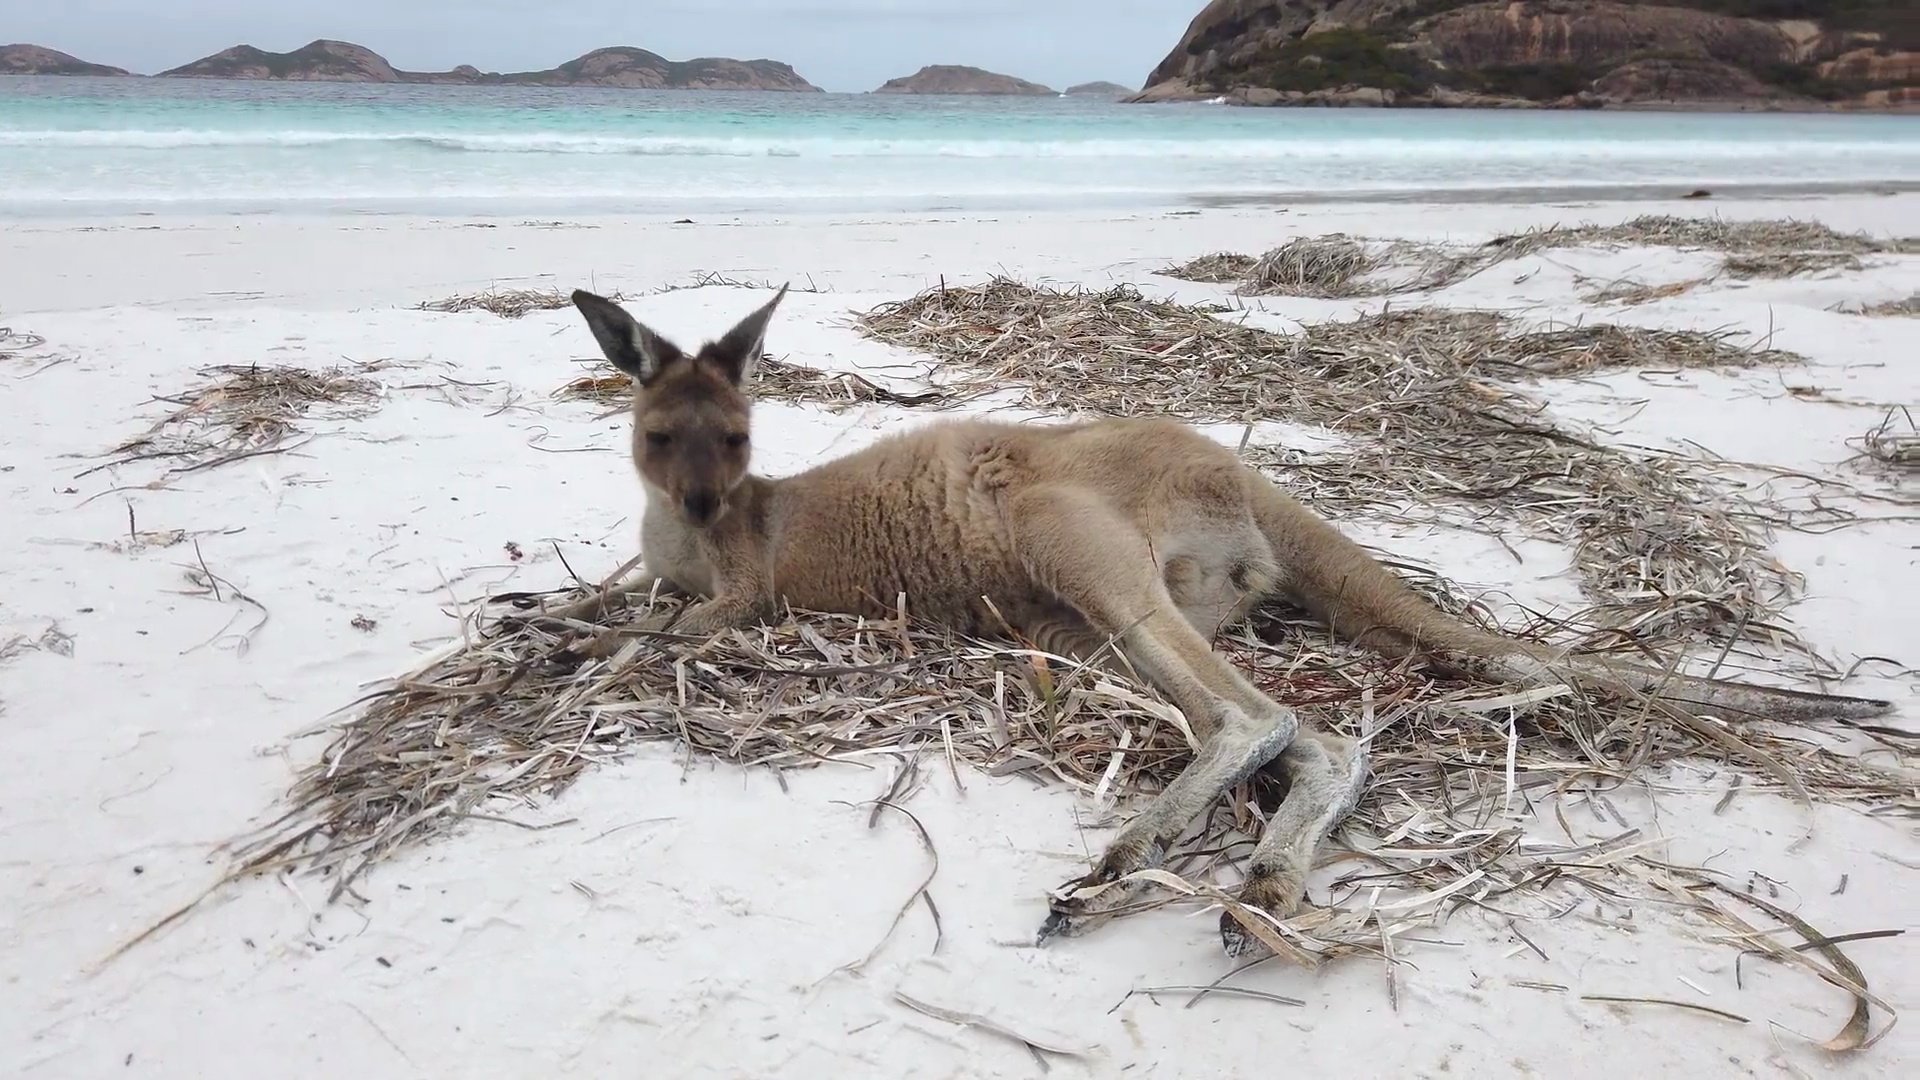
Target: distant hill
[
  {"x": 35, "y": 60},
  {"x": 319, "y": 61},
  {"x": 1099, "y": 89},
  {"x": 341, "y": 61},
  {"x": 1557, "y": 53},
  {"x": 626, "y": 66},
  {"x": 958, "y": 79}
]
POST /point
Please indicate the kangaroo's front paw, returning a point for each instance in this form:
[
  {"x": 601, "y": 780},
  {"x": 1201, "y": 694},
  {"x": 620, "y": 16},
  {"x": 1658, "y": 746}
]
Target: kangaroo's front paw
[
  {"x": 592, "y": 608},
  {"x": 704, "y": 620}
]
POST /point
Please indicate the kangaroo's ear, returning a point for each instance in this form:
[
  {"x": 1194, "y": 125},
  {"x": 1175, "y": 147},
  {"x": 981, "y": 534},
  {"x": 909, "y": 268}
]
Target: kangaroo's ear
[
  {"x": 738, "y": 353},
  {"x": 632, "y": 347}
]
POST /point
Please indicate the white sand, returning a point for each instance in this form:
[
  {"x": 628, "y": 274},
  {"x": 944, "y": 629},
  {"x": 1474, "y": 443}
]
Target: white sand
[{"x": 686, "y": 921}]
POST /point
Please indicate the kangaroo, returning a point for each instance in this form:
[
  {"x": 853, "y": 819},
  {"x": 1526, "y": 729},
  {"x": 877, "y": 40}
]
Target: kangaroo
[{"x": 1142, "y": 533}]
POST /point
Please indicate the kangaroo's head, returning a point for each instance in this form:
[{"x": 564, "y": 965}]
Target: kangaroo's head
[{"x": 690, "y": 411}]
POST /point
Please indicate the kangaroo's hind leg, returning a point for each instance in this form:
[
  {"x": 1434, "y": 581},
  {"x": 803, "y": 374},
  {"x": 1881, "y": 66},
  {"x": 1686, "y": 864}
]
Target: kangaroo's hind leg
[
  {"x": 1326, "y": 775},
  {"x": 1100, "y": 564}
]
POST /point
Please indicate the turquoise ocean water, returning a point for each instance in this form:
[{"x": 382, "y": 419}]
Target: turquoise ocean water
[{"x": 82, "y": 146}]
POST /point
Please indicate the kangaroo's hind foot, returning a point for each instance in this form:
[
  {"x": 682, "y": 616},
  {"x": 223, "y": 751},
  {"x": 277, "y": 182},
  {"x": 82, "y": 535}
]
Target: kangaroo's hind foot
[{"x": 1326, "y": 774}]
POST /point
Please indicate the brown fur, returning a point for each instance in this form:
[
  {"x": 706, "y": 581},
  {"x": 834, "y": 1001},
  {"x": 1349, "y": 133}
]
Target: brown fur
[{"x": 1139, "y": 531}]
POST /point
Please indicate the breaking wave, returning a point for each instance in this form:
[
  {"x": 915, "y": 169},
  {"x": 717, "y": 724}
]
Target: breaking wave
[{"x": 1279, "y": 148}]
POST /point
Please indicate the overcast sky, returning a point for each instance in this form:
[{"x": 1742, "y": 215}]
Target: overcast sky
[{"x": 836, "y": 44}]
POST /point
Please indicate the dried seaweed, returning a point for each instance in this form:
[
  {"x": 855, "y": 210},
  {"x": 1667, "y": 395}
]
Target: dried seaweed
[
  {"x": 1757, "y": 237},
  {"x": 248, "y": 412},
  {"x": 1337, "y": 265},
  {"x": 1905, "y": 308},
  {"x": 773, "y": 380},
  {"x": 506, "y": 303},
  {"x": 1218, "y": 268},
  {"x": 714, "y": 279},
  {"x": 1310, "y": 266},
  {"x": 1634, "y": 293},
  {"x": 518, "y": 709},
  {"x": 1786, "y": 264}
]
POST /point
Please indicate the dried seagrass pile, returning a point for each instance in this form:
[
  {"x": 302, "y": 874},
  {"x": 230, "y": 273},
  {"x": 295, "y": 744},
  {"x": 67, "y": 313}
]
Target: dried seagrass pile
[
  {"x": 1311, "y": 266},
  {"x": 1733, "y": 237},
  {"x": 247, "y": 411},
  {"x": 1220, "y": 267},
  {"x": 1908, "y": 307},
  {"x": 517, "y": 711},
  {"x": 1673, "y": 555},
  {"x": 506, "y": 303},
  {"x": 773, "y": 380},
  {"x": 1336, "y": 265}
]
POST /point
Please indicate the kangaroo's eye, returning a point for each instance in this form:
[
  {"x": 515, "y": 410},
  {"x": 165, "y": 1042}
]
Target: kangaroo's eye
[
  {"x": 737, "y": 440},
  {"x": 658, "y": 438}
]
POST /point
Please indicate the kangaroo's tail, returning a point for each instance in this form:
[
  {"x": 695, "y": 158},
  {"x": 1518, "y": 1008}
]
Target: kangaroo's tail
[{"x": 1361, "y": 600}]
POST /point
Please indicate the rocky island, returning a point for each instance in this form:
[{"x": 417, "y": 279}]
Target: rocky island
[
  {"x": 36, "y": 60},
  {"x": 627, "y": 66},
  {"x": 1549, "y": 53},
  {"x": 319, "y": 61},
  {"x": 341, "y": 61},
  {"x": 958, "y": 79},
  {"x": 1100, "y": 89}
]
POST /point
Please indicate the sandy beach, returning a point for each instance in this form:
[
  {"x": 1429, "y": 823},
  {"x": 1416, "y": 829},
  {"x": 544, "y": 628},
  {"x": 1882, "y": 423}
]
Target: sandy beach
[{"x": 682, "y": 916}]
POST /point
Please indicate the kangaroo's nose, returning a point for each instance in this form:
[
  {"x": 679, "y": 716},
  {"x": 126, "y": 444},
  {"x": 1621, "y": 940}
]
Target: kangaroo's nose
[{"x": 700, "y": 506}]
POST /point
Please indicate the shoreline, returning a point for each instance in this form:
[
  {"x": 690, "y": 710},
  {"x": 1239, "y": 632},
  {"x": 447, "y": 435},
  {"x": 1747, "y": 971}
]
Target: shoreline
[
  {"x": 224, "y": 262},
  {"x": 1234, "y": 98},
  {"x": 834, "y": 208}
]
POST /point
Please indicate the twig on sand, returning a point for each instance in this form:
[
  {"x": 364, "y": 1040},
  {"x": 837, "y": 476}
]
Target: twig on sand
[
  {"x": 1695, "y": 1006},
  {"x": 14, "y": 342},
  {"x": 919, "y": 893},
  {"x": 209, "y": 584},
  {"x": 988, "y": 1024},
  {"x": 1224, "y": 991},
  {"x": 1894, "y": 442}
]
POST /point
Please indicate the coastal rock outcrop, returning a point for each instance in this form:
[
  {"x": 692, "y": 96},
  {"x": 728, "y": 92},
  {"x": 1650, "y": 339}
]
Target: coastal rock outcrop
[{"x": 1558, "y": 53}]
